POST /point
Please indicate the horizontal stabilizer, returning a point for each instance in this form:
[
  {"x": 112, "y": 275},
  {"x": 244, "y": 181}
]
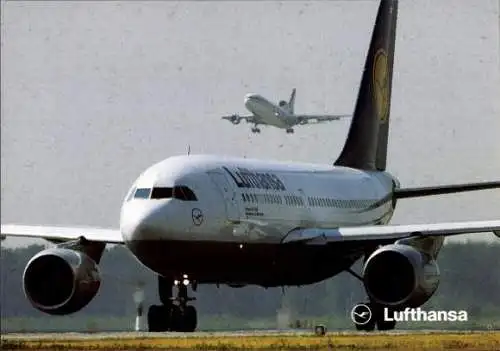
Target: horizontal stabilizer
[
  {"x": 443, "y": 189},
  {"x": 111, "y": 236}
]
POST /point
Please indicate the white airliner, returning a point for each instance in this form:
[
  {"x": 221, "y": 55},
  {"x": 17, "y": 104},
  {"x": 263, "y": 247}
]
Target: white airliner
[
  {"x": 199, "y": 219},
  {"x": 282, "y": 115}
]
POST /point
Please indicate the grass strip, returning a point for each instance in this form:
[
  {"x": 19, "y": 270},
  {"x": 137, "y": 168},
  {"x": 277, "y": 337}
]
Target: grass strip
[{"x": 435, "y": 341}]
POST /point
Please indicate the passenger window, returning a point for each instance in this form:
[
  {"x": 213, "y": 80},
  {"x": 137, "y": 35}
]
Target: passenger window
[
  {"x": 142, "y": 193},
  {"x": 183, "y": 193},
  {"x": 161, "y": 193}
]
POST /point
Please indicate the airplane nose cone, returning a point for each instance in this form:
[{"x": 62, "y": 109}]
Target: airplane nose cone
[
  {"x": 249, "y": 97},
  {"x": 142, "y": 222}
]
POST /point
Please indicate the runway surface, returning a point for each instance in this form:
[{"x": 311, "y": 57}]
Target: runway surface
[{"x": 219, "y": 334}]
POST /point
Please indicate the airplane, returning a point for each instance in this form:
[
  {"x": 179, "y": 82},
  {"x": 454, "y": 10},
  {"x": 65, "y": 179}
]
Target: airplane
[
  {"x": 208, "y": 219},
  {"x": 282, "y": 115}
]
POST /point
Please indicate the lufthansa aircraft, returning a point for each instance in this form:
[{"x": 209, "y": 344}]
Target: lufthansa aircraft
[
  {"x": 282, "y": 115},
  {"x": 198, "y": 219}
]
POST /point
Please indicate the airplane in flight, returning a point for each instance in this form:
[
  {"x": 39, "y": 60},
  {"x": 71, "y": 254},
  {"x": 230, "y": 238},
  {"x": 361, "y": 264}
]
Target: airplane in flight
[
  {"x": 206, "y": 219},
  {"x": 282, "y": 115}
]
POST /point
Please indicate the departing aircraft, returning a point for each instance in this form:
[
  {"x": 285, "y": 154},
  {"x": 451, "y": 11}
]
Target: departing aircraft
[
  {"x": 201, "y": 219},
  {"x": 282, "y": 115}
]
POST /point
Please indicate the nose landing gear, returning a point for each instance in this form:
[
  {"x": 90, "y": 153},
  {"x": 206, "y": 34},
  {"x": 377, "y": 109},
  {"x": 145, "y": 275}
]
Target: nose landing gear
[{"x": 174, "y": 314}]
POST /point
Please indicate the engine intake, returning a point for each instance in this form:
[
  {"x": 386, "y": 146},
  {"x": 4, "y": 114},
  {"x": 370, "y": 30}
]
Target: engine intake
[
  {"x": 400, "y": 275},
  {"x": 61, "y": 281}
]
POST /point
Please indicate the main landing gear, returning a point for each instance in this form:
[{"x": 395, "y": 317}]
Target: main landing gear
[
  {"x": 174, "y": 314},
  {"x": 368, "y": 315},
  {"x": 289, "y": 131},
  {"x": 255, "y": 129},
  {"x": 376, "y": 319}
]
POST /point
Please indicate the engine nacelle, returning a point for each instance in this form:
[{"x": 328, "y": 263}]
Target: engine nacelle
[
  {"x": 400, "y": 276},
  {"x": 61, "y": 281},
  {"x": 282, "y": 103}
]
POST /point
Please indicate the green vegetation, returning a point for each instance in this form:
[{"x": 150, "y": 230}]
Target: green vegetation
[
  {"x": 457, "y": 341},
  {"x": 470, "y": 280}
]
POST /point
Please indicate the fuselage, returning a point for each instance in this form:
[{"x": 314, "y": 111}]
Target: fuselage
[
  {"x": 234, "y": 213},
  {"x": 268, "y": 112}
]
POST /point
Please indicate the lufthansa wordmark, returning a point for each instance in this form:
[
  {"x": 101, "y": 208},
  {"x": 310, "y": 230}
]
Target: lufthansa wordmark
[{"x": 245, "y": 178}]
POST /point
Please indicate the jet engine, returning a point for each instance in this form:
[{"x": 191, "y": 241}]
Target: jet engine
[
  {"x": 235, "y": 119},
  {"x": 282, "y": 103},
  {"x": 400, "y": 276},
  {"x": 61, "y": 281}
]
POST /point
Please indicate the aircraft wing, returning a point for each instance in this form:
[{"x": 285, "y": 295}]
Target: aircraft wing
[
  {"x": 321, "y": 236},
  {"x": 235, "y": 119},
  {"x": 305, "y": 119},
  {"x": 111, "y": 236}
]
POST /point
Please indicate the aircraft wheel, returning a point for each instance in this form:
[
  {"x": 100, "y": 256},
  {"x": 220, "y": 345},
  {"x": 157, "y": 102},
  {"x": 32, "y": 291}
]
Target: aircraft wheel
[
  {"x": 369, "y": 325},
  {"x": 190, "y": 319},
  {"x": 158, "y": 318},
  {"x": 290, "y": 131},
  {"x": 385, "y": 325},
  {"x": 381, "y": 323},
  {"x": 176, "y": 319}
]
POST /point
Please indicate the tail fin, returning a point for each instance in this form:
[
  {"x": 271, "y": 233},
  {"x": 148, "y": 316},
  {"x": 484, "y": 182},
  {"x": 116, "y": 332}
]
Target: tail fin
[
  {"x": 291, "y": 102},
  {"x": 366, "y": 144}
]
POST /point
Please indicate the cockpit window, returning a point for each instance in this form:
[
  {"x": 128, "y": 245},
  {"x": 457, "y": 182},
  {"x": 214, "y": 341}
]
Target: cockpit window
[
  {"x": 178, "y": 192},
  {"x": 142, "y": 193},
  {"x": 184, "y": 193},
  {"x": 161, "y": 193}
]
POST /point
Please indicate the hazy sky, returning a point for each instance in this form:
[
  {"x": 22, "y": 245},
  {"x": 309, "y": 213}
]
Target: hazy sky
[{"x": 93, "y": 93}]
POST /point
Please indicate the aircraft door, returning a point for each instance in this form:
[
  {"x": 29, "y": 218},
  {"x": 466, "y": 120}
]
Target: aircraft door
[{"x": 229, "y": 194}]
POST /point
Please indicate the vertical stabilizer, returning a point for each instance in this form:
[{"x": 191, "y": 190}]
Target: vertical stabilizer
[
  {"x": 291, "y": 102},
  {"x": 366, "y": 144}
]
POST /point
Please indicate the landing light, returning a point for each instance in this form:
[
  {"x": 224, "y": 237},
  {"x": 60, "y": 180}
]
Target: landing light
[
  {"x": 184, "y": 276},
  {"x": 176, "y": 282},
  {"x": 185, "y": 282},
  {"x": 241, "y": 246}
]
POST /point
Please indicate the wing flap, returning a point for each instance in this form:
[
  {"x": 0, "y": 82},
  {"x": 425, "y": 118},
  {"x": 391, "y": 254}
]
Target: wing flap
[
  {"x": 112, "y": 236},
  {"x": 387, "y": 232}
]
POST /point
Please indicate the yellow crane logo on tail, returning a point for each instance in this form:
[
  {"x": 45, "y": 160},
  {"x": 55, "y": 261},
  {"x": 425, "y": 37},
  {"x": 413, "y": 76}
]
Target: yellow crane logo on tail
[{"x": 380, "y": 85}]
